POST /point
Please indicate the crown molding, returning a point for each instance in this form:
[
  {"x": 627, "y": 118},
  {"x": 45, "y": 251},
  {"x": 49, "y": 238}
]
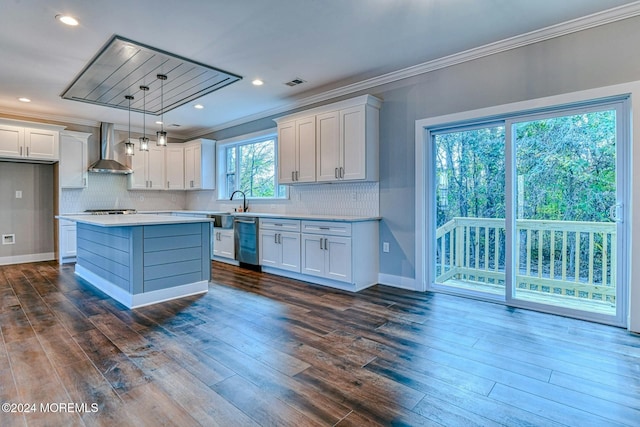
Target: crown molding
[
  {"x": 50, "y": 118},
  {"x": 569, "y": 27}
]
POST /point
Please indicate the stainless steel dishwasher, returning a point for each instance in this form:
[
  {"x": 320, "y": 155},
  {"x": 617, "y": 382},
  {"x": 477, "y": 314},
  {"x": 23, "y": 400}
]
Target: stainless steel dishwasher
[{"x": 245, "y": 232}]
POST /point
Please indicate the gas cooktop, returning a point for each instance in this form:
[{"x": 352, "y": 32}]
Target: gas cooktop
[{"x": 110, "y": 211}]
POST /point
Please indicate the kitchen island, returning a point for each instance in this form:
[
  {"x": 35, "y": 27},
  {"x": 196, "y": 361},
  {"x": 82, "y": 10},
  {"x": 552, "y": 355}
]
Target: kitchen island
[{"x": 143, "y": 259}]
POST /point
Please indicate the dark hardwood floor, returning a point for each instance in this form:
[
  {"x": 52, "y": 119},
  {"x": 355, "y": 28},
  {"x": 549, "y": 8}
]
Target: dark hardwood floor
[{"x": 258, "y": 349}]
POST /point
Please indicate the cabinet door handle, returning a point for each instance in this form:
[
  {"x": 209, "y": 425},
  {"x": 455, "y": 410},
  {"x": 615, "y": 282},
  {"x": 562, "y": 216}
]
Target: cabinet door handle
[
  {"x": 150, "y": 184},
  {"x": 168, "y": 184},
  {"x": 297, "y": 175},
  {"x": 335, "y": 173},
  {"x": 279, "y": 238},
  {"x": 321, "y": 239},
  {"x": 275, "y": 238},
  {"x": 27, "y": 151},
  {"x": 341, "y": 172},
  {"x": 326, "y": 244},
  {"x": 20, "y": 151}
]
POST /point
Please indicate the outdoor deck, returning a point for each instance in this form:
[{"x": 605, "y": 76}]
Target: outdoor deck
[{"x": 564, "y": 263}]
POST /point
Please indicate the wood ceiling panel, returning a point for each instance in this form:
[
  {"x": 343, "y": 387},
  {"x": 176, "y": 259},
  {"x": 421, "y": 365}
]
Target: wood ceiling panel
[{"x": 122, "y": 66}]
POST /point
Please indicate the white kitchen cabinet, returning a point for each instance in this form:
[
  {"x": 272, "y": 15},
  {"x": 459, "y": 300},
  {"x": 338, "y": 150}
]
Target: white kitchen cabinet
[
  {"x": 174, "y": 166},
  {"x": 280, "y": 244},
  {"x": 38, "y": 143},
  {"x": 345, "y": 142},
  {"x": 341, "y": 254},
  {"x": 347, "y": 145},
  {"x": 200, "y": 164},
  {"x": 74, "y": 159},
  {"x": 223, "y": 243},
  {"x": 296, "y": 150},
  {"x": 148, "y": 167},
  {"x": 325, "y": 254},
  {"x": 67, "y": 241}
]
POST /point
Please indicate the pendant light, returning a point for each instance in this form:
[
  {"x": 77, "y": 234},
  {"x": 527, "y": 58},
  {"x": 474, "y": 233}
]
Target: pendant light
[
  {"x": 161, "y": 135},
  {"x": 128, "y": 145},
  {"x": 144, "y": 141}
]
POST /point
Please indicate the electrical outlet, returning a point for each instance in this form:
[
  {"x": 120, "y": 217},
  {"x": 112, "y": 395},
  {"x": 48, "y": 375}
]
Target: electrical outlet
[
  {"x": 18, "y": 194},
  {"x": 8, "y": 239},
  {"x": 385, "y": 246}
]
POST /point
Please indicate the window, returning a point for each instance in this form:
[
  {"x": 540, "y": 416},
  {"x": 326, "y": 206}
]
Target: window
[{"x": 250, "y": 165}]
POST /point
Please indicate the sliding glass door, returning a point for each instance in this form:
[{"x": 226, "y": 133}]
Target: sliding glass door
[
  {"x": 470, "y": 209},
  {"x": 529, "y": 210},
  {"x": 566, "y": 207}
]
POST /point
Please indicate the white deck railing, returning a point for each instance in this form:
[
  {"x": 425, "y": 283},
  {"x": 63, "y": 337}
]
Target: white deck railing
[{"x": 558, "y": 257}]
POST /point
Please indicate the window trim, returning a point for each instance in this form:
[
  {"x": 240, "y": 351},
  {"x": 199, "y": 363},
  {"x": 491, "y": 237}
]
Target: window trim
[{"x": 249, "y": 138}]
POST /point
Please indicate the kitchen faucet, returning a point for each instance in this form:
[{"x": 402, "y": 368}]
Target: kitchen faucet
[{"x": 245, "y": 207}]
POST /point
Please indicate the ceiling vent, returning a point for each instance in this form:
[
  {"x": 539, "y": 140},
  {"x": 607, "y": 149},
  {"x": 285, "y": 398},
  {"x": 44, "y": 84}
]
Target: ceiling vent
[
  {"x": 122, "y": 66},
  {"x": 295, "y": 82}
]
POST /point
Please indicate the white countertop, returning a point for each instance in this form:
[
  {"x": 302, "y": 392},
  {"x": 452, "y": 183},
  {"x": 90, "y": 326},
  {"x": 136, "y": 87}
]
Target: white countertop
[
  {"x": 166, "y": 217},
  {"x": 131, "y": 220},
  {"x": 342, "y": 218}
]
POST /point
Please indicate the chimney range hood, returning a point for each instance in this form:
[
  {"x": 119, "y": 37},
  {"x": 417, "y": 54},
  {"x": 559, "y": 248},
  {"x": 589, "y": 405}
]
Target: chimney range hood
[{"x": 107, "y": 162}]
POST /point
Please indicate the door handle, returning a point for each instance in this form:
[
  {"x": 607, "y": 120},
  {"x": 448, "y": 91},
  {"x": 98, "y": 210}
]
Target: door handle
[{"x": 613, "y": 212}]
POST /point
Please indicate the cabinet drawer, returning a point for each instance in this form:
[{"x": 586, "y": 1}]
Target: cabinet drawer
[
  {"x": 280, "y": 224},
  {"x": 330, "y": 228}
]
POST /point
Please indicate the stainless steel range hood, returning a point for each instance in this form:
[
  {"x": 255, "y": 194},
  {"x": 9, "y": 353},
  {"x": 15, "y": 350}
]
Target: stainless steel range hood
[{"x": 107, "y": 162}]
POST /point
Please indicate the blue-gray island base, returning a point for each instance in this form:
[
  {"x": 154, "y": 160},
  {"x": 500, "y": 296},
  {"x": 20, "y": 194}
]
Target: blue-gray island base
[{"x": 138, "y": 265}]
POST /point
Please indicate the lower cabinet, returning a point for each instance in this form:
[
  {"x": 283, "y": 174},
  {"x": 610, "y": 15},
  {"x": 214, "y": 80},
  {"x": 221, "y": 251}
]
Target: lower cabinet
[
  {"x": 280, "y": 250},
  {"x": 67, "y": 241},
  {"x": 339, "y": 254},
  {"x": 223, "y": 244},
  {"x": 327, "y": 256}
]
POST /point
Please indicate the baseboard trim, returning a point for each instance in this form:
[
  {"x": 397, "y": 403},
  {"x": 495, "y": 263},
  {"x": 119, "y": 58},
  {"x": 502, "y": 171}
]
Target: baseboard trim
[
  {"x": 143, "y": 299},
  {"x": 22, "y": 259},
  {"x": 401, "y": 282}
]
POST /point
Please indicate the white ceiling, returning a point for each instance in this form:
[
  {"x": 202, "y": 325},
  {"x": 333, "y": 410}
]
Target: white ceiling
[{"x": 331, "y": 44}]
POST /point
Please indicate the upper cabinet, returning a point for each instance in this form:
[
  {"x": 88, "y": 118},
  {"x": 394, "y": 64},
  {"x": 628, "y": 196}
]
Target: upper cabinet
[
  {"x": 336, "y": 142},
  {"x": 296, "y": 151},
  {"x": 174, "y": 165},
  {"x": 200, "y": 164},
  {"x": 29, "y": 142},
  {"x": 148, "y": 167},
  {"x": 74, "y": 159}
]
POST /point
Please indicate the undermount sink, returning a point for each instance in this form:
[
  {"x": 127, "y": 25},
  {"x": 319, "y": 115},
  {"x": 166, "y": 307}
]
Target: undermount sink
[{"x": 222, "y": 220}]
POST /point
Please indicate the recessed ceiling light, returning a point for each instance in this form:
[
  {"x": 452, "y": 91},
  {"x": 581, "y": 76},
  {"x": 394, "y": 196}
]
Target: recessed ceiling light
[
  {"x": 257, "y": 82},
  {"x": 67, "y": 20},
  {"x": 23, "y": 99},
  {"x": 198, "y": 106}
]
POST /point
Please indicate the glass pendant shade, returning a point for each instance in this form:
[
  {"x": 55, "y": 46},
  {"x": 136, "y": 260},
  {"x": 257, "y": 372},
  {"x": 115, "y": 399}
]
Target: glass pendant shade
[
  {"x": 128, "y": 145},
  {"x": 144, "y": 143},
  {"x": 161, "y": 138},
  {"x": 128, "y": 148}
]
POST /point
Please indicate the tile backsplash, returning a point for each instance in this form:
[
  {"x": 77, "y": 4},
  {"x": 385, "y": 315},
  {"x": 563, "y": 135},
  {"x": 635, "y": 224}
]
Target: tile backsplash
[
  {"x": 358, "y": 199},
  {"x": 109, "y": 191}
]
